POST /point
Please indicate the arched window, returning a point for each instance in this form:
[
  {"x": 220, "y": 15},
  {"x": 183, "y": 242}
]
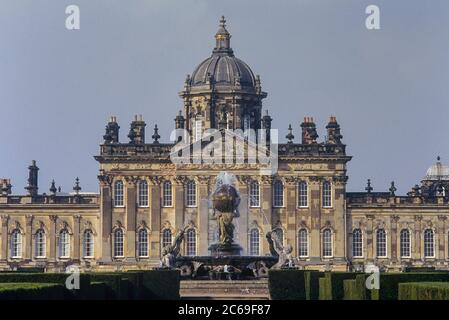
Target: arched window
[
  {"x": 16, "y": 244},
  {"x": 405, "y": 243},
  {"x": 327, "y": 194},
  {"x": 118, "y": 193},
  {"x": 327, "y": 243},
  {"x": 191, "y": 194},
  {"x": 381, "y": 243},
  {"x": 357, "y": 243},
  {"x": 64, "y": 244},
  {"x": 191, "y": 242},
  {"x": 118, "y": 243},
  {"x": 278, "y": 194},
  {"x": 143, "y": 194},
  {"x": 303, "y": 201},
  {"x": 88, "y": 244},
  {"x": 303, "y": 243},
  {"x": 40, "y": 244},
  {"x": 254, "y": 245},
  {"x": 254, "y": 194},
  {"x": 429, "y": 244},
  {"x": 279, "y": 234},
  {"x": 167, "y": 200},
  {"x": 166, "y": 237},
  {"x": 142, "y": 243}
]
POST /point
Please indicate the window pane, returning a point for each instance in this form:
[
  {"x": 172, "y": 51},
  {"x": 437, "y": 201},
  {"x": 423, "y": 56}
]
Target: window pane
[
  {"x": 254, "y": 192},
  {"x": 143, "y": 243},
  {"x": 327, "y": 195},
  {"x": 16, "y": 244},
  {"x": 278, "y": 194},
  {"x": 327, "y": 243},
  {"x": 429, "y": 248},
  {"x": 167, "y": 199},
  {"x": 40, "y": 244},
  {"x": 357, "y": 243},
  {"x": 303, "y": 195},
  {"x": 381, "y": 243},
  {"x": 118, "y": 194},
  {"x": 166, "y": 238},
  {"x": 303, "y": 243},
  {"x": 143, "y": 194},
  {"x": 191, "y": 194},
  {"x": 191, "y": 242},
  {"x": 254, "y": 246},
  {"x": 64, "y": 244},
  {"x": 118, "y": 243},
  {"x": 405, "y": 243},
  {"x": 88, "y": 249}
]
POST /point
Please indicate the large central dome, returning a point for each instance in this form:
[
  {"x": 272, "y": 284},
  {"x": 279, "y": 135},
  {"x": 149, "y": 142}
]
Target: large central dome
[{"x": 223, "y": 69}]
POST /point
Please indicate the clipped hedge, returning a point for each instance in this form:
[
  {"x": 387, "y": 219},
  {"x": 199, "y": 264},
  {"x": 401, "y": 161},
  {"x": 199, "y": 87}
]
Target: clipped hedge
[
  {"x": 56, "y": 278},
  {"x": 389, "y": 282},
  {"x": 424, "y": 291},
  {"x": 160, "y": 284},
  {"x": 331, "y": 285},
  {"x": 312, "y": 285},
  {"x": 355, "y": 289},
  {"x": 287, "y": 284},
  {"x": 32, "y": 291}
]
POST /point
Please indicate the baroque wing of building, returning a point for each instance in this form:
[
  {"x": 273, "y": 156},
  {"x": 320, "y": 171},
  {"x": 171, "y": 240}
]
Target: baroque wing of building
[{"x": 145, "y": 198}]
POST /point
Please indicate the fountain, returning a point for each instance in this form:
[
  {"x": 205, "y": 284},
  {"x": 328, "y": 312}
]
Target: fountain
[{"x": 225, "y": 261}]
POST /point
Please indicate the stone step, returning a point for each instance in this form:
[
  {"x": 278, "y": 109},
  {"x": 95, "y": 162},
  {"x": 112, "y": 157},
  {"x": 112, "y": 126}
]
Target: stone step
[{"x": 224, "y": 289}]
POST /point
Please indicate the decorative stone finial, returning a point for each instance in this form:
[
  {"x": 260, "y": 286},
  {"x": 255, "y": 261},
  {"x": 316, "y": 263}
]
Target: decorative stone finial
[
  {"x": 77, "y": 187},
  {"x": 290, "y": 135},
  {"x": 156, "y": 135},
  {"x": 392, "y": 189},
  {"x": 369, "y": 188},
  {"x": 53, "y": 187}
]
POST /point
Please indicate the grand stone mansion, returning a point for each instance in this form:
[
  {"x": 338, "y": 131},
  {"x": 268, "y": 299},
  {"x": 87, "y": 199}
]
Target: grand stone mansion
[{"x": 145, "y": 198}]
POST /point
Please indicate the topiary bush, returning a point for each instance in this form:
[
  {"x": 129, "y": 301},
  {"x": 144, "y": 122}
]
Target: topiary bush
[
  {"x": 331, "y": 285},
  {"x": 355, "y": 289},
  {"x": 160, "y": 285},
  {"x": 287, "y": 284}
]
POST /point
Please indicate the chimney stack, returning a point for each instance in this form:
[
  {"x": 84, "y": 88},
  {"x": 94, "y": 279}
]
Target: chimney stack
[
  {"x": 32, "y": 186},
  {"x": 112, "y": 131},
  {"x": 309, "y": 133},
  {"x": 137, "y": 131}
]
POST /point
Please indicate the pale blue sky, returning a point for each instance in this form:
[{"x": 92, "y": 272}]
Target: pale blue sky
[{"x": 388, "y": 88}]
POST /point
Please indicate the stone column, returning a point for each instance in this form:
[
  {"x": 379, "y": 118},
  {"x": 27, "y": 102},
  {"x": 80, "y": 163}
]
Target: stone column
[
  {"x": 315, "y": 216},
  {"x": 370, "y": 254},
  {"x": 131, "y": 217},
  {"x": 267, "y": 209},
  {"x": 242, "y": 221},
  {"x": 155, "y": 217},
  {"x": 441, "y": 237},
  {"x": 291, "y": 213},
  {"x": 394, "y": 238},
  {"x": 4, "y": 248},
  {"x": 28, "y": 237},
  {"x": 53, "y": 254},
  {"x": 416, "y": 253},
  {"x": 106, "y": 217},
  {"x": 179, "y": 201},
  {"x": 203, "y": 215},
  {"x": 76, "y": 237}
]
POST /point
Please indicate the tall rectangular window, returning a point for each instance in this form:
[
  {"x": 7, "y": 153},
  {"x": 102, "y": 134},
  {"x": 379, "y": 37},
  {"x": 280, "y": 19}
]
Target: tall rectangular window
[
  {"x": 118, "y": 194},
  {"x": 303, "y": 243},
  {"x": 327, "y": 243},
  {"x": 254, "y": 194},
  {"x": 303, "y": 201},
  {"x": 40, "y": 244},
  {"x": 357, "y": 243},
  {"x": 254, "y": 245},
  {"x": 191, "y": 194},
  {"x": 278, "y": 194},
  {"x": 327, "y": 195},
  {"x": 405, "y": 243},
  {"x": 381, "y": 243},
  {"x": 429, "y": 244},
  {"x": 88, "y": 248},
  {"x": 167, "y": 194},
  {"x": 143, "y": 194}
]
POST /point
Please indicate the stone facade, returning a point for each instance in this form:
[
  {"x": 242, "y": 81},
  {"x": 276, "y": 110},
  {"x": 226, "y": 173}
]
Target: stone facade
[{"x": 145, "y": 198}]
